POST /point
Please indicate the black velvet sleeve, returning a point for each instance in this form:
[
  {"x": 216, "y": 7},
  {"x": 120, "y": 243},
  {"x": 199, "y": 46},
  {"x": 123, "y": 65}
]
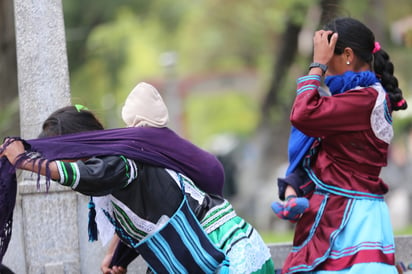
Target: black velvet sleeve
[
  {"x": 97, "y": 176},
  {"x": 123, "y": 255}
]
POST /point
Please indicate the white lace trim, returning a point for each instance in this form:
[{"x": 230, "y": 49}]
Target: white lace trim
[
  {"x": 219, "y": 222},
  {"x": 190, "y": 188},
  {"x": 381, "y": 127},
  {"x": 104, "y": 203},
  {"x": 248, "y": 255},
  {"x": 104, "y": 226},
  {"x": 137, "y": 221}
]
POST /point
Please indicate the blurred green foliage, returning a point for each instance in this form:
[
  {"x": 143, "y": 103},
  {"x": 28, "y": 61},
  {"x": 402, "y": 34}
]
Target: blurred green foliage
[
  {"x": 225, "y": 111},
  {"x": 112, "y": 45}
]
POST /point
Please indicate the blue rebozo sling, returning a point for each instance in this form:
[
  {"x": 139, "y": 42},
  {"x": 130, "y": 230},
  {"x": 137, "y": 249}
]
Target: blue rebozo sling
[{"x": 181, "y": 245}]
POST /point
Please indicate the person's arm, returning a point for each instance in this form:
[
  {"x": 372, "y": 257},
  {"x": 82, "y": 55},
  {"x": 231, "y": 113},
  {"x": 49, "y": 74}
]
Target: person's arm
[
  {"x": 98, "y": 175},
  {"x": 123, "y": 255},
  {"x": 316, "y": 115},
  {"x": 296, "y": 183},
  {"x": 94, "y": 176},
  {"x": 118, "y": 257},
  {"x": 15, "y": 149},
  {"x": 290, "y": 191},
  {"x": 107, "y": 266}
]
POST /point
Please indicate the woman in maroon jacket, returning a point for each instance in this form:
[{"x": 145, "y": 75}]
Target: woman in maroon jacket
[{"x": 347, "y": 227}]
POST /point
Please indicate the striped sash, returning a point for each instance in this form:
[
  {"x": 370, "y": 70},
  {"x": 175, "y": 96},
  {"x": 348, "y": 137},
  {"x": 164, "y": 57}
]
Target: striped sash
[{"x": 180, "y": 246}]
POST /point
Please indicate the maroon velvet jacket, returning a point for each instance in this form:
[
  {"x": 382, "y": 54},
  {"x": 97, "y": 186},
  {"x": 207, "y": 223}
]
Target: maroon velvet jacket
[
  {"x": 347, "y": 162},
  {"x": 350, "y": 156}
]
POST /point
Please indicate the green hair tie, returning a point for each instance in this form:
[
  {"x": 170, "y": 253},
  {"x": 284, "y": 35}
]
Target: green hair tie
[{"x": 80, "y": 107}]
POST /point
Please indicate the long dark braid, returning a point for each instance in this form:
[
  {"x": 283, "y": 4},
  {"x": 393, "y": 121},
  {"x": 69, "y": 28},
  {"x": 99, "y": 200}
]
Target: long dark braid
[
  {"x": 354, "y": 34},
  {"x": 384, "y": 70}
]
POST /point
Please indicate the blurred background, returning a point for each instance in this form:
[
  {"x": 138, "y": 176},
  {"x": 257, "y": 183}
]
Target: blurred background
[{"x": 227, "y": 72}]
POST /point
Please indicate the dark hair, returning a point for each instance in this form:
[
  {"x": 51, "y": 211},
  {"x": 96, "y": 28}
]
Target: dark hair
[
  {"x": 70, "y": 119},
  {"x": 5, "y": 270},
  {"x": 355, "y": 35}
]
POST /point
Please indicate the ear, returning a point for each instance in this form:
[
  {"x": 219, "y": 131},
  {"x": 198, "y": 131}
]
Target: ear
[{"x": 349, "y": 55}]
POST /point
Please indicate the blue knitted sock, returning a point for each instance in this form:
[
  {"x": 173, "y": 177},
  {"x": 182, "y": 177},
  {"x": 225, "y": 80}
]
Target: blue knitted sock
[{"x": 292, "y": 209}]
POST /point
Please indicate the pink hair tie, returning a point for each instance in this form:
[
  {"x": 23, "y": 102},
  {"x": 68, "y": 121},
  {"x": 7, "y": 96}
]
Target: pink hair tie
[
  {"x": 400, "y": 103},
  {"x": 377, "y": 47}
]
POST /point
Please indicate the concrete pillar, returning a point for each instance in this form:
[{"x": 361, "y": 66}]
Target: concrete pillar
[
  {"x": 42, "y": 69},
  {"x": 45, "y": 230}
]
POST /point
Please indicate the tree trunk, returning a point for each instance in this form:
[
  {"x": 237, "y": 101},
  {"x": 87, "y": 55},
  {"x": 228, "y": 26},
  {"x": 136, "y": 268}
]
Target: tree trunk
[
  {"x": 9, "y": 117},
  {"x": 273, "y": 132},
  {"x": 373, "y": 18},
  {"x": 329, "y": 10},
  {"x": 258, "y": 180},
  {"x": 273, "y": 147},
  {"x": 284, "y": 59}
]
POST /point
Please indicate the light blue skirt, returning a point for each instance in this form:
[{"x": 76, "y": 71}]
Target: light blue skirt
[{"x": 367, "y": 231}]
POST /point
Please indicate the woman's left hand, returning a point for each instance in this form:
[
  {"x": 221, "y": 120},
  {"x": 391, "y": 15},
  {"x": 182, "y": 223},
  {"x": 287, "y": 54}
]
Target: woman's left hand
[{"x": 11, "y": 149}]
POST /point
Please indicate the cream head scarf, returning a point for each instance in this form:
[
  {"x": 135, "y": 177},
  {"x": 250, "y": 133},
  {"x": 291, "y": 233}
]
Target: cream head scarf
[{"x": 145, "y": 107}]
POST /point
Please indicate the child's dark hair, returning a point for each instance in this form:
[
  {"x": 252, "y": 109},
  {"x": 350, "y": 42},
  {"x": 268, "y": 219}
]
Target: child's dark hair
[
  {"x": 70, "y": 119},
  {"x": 355, "y": 35}
]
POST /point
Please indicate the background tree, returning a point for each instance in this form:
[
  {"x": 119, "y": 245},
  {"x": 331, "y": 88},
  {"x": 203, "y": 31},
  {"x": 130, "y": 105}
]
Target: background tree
[
  {"x": 9, "y": 117},
  {"x": 273, "y": 127}
]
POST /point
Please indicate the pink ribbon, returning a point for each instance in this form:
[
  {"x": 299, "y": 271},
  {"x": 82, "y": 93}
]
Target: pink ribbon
[
  {"x": 400, "y": 103},
  {"x": 377, "y": 47}
]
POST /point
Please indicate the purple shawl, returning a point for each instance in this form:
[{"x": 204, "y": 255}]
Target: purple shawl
[
  {"x": 8, "y": 191},
  {"x": 156, "y": 146}
]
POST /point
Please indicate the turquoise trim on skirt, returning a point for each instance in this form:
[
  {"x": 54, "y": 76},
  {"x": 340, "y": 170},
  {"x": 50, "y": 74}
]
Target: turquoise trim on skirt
[
  {"x": 368, "y": 230},
  {"x": 374, "y": 268}
]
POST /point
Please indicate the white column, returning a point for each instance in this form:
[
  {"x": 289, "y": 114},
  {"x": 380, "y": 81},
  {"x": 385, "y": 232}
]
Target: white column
[{"x": 45, "y": 230}]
